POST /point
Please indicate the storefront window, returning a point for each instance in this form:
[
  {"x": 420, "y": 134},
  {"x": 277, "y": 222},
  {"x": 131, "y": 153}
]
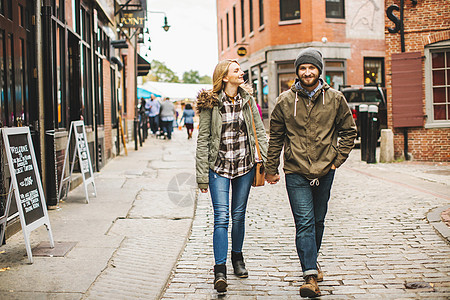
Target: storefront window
[
  {"x": 2, "y": 77},
  {"x": 374, "y": 71},
  {"x": 285, "y": 81},
  {"x": 289, "y": 10},
  {"x": 335, "y": 73}
]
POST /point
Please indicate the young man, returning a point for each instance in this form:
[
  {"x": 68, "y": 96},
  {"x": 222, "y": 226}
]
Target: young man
[
  {"x": 307, "y": 121},
  {"x": 152, "y": 107}
]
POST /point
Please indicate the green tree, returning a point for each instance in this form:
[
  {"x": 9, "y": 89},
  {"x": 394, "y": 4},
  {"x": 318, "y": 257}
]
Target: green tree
[
  {"x": 205, "y": 79},
  {"x": 191, "y": 77},
  {"x": 160, "y": 72}
]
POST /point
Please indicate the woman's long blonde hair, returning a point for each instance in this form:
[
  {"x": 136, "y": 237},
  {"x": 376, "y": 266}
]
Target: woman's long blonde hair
[{"x": 220, "y": 72}]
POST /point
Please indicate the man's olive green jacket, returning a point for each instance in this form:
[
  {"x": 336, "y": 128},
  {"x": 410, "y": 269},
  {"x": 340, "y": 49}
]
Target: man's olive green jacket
[{"x": 308, "y": 129}]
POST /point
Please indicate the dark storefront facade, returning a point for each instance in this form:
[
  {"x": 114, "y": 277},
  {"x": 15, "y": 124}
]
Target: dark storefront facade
[{"x": 58, "y": 65}]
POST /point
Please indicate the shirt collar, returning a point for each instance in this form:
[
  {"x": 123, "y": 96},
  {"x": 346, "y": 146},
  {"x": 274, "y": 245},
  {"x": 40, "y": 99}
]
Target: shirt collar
[{"x": 309, "y": 94}]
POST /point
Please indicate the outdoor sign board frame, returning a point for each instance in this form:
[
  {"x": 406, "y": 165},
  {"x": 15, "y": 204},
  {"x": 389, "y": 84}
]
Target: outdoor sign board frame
[
  {"x": 84, "y": 158},
  {"x": 26, "y": 185}
]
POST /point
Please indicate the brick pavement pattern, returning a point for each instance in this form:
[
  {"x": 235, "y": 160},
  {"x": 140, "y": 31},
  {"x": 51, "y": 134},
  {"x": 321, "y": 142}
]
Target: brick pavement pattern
[{"x": 376, "y": 240}]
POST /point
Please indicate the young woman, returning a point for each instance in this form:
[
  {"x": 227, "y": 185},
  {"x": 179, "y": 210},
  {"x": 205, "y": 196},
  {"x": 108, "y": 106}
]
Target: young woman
[
  {"x": 188, "y": 117},
  {"x": 226, "y": 156}
]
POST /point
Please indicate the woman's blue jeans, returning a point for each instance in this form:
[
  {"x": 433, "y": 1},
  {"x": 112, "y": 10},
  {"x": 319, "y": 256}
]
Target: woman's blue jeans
[
  {"x": 309, "y": 204},
  {"x": 219, "y": 188}
]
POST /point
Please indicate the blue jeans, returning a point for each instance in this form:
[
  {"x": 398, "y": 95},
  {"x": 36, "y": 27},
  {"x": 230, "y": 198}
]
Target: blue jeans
[
  {"x": 166, "y": 127},
  {"x": 154, "y": 123},
  {"x": 309, "y": 204},
  {"x": 219, "y": 188}
]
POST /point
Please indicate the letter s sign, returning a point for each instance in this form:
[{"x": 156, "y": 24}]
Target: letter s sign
[{"x": 393, "y": 18}]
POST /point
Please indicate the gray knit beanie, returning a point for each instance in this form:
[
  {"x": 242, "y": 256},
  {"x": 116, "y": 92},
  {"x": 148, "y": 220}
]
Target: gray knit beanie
[{"x": 309, "y": 56}]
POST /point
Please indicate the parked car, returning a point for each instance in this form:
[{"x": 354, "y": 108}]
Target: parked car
[{"x": 370, "y": 95}]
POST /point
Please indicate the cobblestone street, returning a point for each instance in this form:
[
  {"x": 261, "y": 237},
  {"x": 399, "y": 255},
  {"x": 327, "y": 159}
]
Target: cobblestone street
[{"x": 376, "y": 240}]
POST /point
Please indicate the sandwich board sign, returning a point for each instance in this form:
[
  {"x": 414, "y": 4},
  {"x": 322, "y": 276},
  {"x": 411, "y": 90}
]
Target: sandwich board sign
[
  {"x": 26, "y": 184},
  {"x": 82, "y": 152}
]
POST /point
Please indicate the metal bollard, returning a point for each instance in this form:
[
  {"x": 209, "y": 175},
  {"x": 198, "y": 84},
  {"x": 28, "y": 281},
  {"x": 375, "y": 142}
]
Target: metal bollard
[
  {"x": 363, "y": 125},
  {"x": 372, "y": 135},
  {"x": 135, "y": 131}
]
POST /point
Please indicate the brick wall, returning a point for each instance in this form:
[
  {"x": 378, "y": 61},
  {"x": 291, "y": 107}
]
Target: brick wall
[
  {"x": 426, "y": 23},
  {"x": 313, "y": 27}
]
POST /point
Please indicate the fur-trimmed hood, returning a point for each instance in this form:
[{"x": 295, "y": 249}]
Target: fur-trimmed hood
[{"x": 207, "y": 99}]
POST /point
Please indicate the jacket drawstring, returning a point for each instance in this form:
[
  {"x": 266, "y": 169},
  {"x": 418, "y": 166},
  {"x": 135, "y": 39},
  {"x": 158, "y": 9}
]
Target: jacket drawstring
[
  {"x": 295, "y": 104},
  {"x": 314, "y": 182},
  {"x": 323, "y": 97}
]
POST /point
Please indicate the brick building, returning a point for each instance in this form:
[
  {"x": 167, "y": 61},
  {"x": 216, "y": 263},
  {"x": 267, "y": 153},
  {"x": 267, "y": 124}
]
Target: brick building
[
  {"x": 349, "y": 33},
  {"x": 418, "y": 80}
]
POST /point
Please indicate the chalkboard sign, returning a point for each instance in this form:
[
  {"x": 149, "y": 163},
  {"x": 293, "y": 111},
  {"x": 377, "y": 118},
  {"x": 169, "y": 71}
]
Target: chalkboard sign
[
  {"x": 82, "y": 149},
  {"x": 26, "y": 182},
  {"x": 22, "y": 165}
]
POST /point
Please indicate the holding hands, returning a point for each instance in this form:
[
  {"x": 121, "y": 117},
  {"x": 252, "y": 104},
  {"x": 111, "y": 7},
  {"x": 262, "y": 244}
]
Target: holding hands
[{"x": 272, "y": 178}]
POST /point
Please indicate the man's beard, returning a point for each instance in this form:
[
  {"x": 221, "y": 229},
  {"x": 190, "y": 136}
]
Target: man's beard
[{"x": 314, "y": 82}]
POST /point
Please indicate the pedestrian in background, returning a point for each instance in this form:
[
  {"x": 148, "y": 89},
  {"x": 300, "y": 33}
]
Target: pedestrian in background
[
  {"x": 307, "y": 120},
  {"x": 153, "y": 108},
  {"x": 167, "y": 115},
  {"x": 226, "y": 156},
  {"x": 143, "y": 118},
  {"x": 188, "y": 117}
]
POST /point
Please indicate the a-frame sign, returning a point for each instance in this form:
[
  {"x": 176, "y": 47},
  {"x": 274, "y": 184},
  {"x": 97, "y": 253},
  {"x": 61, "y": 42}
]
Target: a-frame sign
[
  {"x": 82, "y": 152},
  {"x": 25, "y": 185}
]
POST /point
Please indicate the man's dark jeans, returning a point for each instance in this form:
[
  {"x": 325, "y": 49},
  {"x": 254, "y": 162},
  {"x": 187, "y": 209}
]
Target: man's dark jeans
[{"x": 309, "y": 204}]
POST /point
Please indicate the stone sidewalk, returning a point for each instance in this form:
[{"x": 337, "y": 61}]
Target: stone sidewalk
[
  {"x": 377, "y": 239},
  {"x": 127, "y": 239}
]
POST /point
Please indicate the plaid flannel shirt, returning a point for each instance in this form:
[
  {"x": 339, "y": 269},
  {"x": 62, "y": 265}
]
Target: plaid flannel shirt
[{"x": 234, "y": 157}]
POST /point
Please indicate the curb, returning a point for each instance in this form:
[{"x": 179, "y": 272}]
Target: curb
[{"x": 434, "y": 218}]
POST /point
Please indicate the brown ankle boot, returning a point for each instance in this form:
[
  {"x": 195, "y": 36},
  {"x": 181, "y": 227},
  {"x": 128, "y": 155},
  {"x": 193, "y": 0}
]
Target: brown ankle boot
[{"x": 310, "y": 288}]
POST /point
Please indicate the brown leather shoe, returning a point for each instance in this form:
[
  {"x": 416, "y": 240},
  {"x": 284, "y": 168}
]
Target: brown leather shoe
[
  {"x": 310, "y": 288},
  {"x": 320, "y": 273}
]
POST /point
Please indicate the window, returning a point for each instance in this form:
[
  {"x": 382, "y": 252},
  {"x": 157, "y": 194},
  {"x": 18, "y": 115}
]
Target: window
[
  {"x": 250, "y": 6},
  {"x": 335, "y": 9},
  {"x": 374, "y": 71},
  {"x": 286, "y": 76},
  {"x": 335, "y": 73},
  {"x": 59, "y": 79},
  {"x": 439, "y": 86},
  {"x": 221, "y": 34},
  {"x": 289, "y": 10},
  {"x": 234, "y": 24},
  {"x": 261, "y": 12},
  {"x": 242, "y": 19},
  {"x": 228, "y": 32}
]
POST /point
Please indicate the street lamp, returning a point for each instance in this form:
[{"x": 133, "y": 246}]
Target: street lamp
[{"x": 166, "y": 26}]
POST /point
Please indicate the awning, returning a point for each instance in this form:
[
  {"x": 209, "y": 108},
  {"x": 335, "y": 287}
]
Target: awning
[
  {"x": 143, "y": 66},
  {"x": 142, "y": 93}
]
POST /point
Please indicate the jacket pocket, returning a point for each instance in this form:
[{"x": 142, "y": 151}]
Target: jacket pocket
[{"x": 288, "y": 151}]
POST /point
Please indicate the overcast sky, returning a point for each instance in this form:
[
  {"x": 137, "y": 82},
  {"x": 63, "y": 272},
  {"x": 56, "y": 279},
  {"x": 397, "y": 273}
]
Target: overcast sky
[{"x": 190, "y": 43}]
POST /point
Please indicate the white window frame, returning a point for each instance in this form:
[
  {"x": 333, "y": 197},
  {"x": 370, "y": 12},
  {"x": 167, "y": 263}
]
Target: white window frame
[{"x": 430, "y": 122}]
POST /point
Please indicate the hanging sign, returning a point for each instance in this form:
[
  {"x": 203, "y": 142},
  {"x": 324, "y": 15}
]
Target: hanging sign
[
  {"x": 132, "y": 19},
  {"x": 82, "y": 151},
  {"x": 242, "y": 51},
  {"x": 26, "y": 183}
]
